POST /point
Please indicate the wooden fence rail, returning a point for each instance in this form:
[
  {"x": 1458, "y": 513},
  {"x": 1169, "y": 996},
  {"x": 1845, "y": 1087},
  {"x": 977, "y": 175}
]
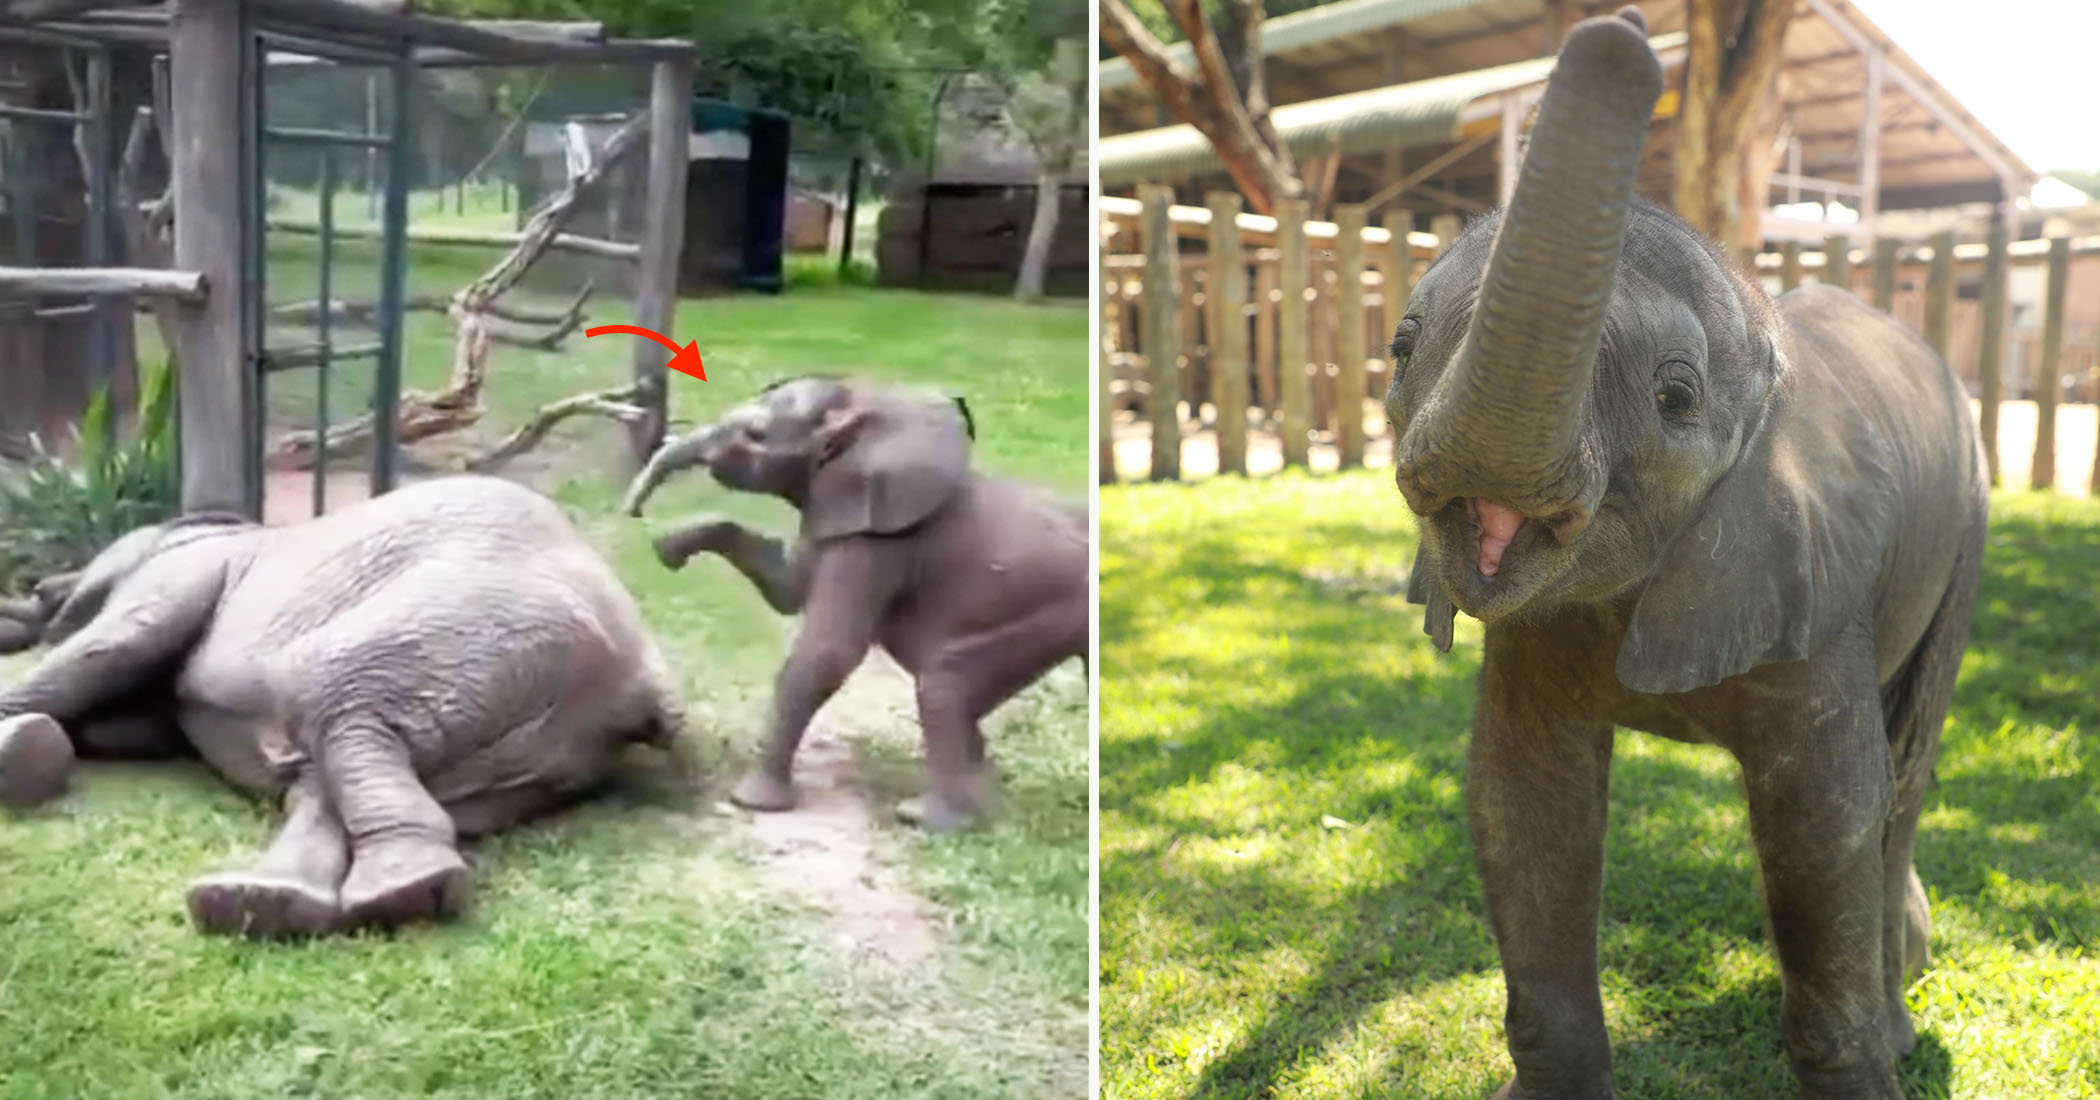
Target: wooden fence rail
[{"x": 1275, "y": 327}]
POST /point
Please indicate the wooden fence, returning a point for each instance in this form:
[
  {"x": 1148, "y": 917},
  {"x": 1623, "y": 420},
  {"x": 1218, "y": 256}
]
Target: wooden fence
[{"x": 1254, "y": 335}]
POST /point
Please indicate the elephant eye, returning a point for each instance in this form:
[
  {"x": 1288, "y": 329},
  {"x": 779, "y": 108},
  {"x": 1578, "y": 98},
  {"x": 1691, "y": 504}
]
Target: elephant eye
[
  {"x": 1675, "y": 398},
  {"x": 1403, "y": 344}
]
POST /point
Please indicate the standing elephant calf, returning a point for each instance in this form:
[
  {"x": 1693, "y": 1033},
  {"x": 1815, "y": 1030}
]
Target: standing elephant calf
[
  {"x": 976, "y": 586},
  {"x": 1680, "y": 507},
  {"x": 446, "y": 659}
]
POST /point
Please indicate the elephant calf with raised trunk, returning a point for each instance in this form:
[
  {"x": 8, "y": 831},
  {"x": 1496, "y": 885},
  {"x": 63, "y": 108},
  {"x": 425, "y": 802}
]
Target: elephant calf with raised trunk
[
  {"x": 444, "y": 660},
  {"x": 976, "y": 586},
  {"x": 1681, "y": 507}
]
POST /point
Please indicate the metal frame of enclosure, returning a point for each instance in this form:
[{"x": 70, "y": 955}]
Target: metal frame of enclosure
[{"x": 211, "y": 58}]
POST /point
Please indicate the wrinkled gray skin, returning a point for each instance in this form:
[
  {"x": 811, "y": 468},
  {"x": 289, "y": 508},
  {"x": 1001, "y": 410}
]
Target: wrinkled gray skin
[
  {"x": 1741, "y": 522},
  {"x": 444, "y": 660},
  {"x": 976, "y": 586}
]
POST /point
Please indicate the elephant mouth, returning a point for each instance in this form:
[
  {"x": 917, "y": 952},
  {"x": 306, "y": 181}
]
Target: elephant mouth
[{"x": 1495, "y": 559}]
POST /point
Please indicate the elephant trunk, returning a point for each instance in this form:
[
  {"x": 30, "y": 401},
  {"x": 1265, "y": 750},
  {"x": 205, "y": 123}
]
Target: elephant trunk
[
  {"x": 1506, "y": 422},
  {"x": 682, "y": 453}
]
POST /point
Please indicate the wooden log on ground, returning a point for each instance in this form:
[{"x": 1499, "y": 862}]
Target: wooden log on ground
[
  {"x": 1885, "y": 274},
  {"x": 1161, "y": 334},
  {"x": 1837, "y": 261},
  {"x": 1789, "y": 266},
  {"x": 1990, "y": 358},
  {"x": 1228, "y": 331},
  {"x": 1349, "y": 335},
  {"x": 619, "y": 404},
  {"x": 101, "y": 282},
  {"x": 2042, "y": 473},
  {"x": 1294, "y": 385},
  {"x": 565, "y": 242},
  {"x": 1939, "y": 293}
]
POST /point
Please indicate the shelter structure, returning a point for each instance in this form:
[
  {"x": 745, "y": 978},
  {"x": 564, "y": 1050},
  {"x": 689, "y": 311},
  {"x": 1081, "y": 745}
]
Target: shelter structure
[
  {"x": 1422, "y": 105},
  {"x": 209, "y": 59}
]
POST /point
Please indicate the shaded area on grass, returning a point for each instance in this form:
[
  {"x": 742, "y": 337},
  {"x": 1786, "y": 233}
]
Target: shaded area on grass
[{"x": 1290, "y": 906}]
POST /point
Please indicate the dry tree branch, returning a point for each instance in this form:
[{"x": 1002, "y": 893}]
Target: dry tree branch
[{"x": 617, "y": 404}]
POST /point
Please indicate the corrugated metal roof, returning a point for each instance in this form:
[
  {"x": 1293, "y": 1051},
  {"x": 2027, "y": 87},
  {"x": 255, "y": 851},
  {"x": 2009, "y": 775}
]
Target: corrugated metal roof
[
  {"x": 1303, "y": 28},
  {"x": 1425, "y": 112}
]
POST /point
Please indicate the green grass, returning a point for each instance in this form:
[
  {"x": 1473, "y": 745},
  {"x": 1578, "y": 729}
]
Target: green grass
[
  {"x": 641, "y": 946},
  {"x": 1289, "y": 902}
]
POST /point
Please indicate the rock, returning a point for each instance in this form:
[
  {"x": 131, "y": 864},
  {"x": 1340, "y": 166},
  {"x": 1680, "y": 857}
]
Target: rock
[{"x": 36, "y": 759}]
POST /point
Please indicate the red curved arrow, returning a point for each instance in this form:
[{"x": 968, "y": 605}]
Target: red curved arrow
[{"x": 686, "y": 359}]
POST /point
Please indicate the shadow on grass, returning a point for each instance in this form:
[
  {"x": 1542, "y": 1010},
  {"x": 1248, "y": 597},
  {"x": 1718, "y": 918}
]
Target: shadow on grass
[{"x": 1256, "y": 680}]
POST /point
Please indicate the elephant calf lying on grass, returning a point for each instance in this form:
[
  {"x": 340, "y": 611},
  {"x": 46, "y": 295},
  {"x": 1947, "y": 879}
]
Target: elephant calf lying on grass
[
  {"x": 976, "y": 586},
  {"x": 447, "y": 659}
]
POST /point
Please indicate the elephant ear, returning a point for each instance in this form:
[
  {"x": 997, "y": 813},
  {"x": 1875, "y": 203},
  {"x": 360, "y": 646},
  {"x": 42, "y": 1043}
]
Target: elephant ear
[
  {"x": 885, "y": 463},
  {"x": 1782, "y": 554}
]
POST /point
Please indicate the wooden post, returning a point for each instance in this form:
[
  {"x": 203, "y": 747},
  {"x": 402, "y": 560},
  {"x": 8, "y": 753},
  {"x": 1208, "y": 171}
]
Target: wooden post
[
  {"x": 1349, "y": 354},
  {"x": 1446, "y": 227},
  {"x": 2042, "y": 474},
  {"x": 1939, "y": 293},
  {"x": 1789, "y": 266},
  {"x": 1294, "y": 348},
  {"x": 1402, "y": 265},
  {"x": 1265, "y": 306},
  {"x": 1161, "y": 332},
  {"x": 1837, "y": 261},
  {"x": 1228, "y": 331},
  {"x": 663, "y": 244},
  {"x": 216, "y": 388},
  {"x": 1991, "y": 356},
  {"x": 1885, "y": 275}
]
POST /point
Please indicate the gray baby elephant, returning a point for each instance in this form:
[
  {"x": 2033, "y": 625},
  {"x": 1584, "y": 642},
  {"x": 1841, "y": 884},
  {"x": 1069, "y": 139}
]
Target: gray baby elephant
[
  {"x": 1680, "y": 507},
  {"x": 976, "y": 586},
  {"x": 447, "y": 659}
]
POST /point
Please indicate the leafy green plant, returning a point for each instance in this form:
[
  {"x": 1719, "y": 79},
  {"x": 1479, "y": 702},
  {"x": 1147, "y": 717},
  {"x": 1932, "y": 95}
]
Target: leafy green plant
[{"x": 56, "y": 514}]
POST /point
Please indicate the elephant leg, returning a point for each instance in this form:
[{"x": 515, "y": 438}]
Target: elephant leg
[
  {"x": 963, "y": 683},
  {"x": 851, "y": 584},
  {"x": 1536, "y": 794},
  {"x": 1822, "y": 807},
  {"x": 405, "y": 864},
  {"x": 1916, "y": 703},
  {"x": 293, "y": 889},
  {"x": 779, "y": 574},
  {"x": 146, "y": 626}
]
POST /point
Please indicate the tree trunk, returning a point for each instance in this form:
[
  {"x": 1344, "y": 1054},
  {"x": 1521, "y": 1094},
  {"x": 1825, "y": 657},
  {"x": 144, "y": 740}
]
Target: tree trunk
[
  {"x": 1042, "y": 230},
  {"x": 1724, "y": 125}
]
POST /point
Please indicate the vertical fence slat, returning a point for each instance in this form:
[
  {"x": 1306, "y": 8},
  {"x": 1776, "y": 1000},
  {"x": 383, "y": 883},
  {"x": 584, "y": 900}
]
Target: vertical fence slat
[
  {"x": 1837, "y": 261},
  {"x": 1402, "y": 264},
  {"x": 1162, "y": 332},
  {"x": 1789, "y": 266},
  {"x": 1293, "y": 386},
  {"x": 1885, "y": 275},
  {"x": 1265, "y": 337},
  {"x": 1446, "y": 227},
  {"x": 1228, "y": 331},
  {"x": 1939, "y": 294},
  {"x": 1990, "y": 356},
  {"x": 1349, "y": 333},
  {"x": 2042, "y": 474},
  {"x": 1104, "y": 381}
]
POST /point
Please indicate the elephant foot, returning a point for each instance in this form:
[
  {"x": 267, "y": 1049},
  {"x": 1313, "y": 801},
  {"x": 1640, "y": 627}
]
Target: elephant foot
[
  {"x": 36, "y": 760},
  {"x": 762, "y": 790},
  {"x": 260, "y": 906},
  {"x": 1510, "y": 1091},
  {"x": 956, "y": 802},
  {"x": 405, "y": 882}
]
